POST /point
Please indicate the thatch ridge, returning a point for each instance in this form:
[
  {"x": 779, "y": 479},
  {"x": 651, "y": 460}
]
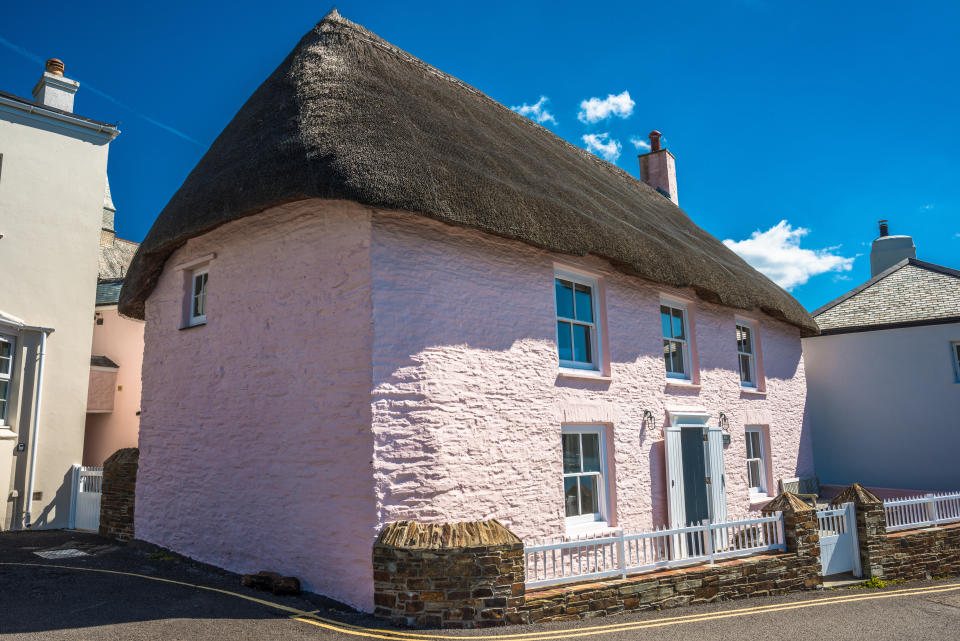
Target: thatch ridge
[{"x": 349, "y": 116}]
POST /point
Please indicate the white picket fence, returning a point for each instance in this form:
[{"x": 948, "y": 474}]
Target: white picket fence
[
  {"x": 85, "y": 503},
  {"x": 629, "y": 552},
  {"x": 922, "y": 511}
]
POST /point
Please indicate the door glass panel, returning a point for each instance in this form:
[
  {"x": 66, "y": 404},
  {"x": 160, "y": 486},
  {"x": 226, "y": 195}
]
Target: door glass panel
[
  {"x": 564, "y": 299},
  {"x": 589, "y": 503},
  {"x": 570, "y": 498},
  {"x": 571, "y": 453},
  {"x": 591, "y": 453},
  {"x": 564, "y": 341}
]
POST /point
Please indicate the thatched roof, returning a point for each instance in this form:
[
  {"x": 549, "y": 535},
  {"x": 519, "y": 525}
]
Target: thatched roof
[
  {"x": 349, "y": 116},
  {"x": 442, "y": 536}
]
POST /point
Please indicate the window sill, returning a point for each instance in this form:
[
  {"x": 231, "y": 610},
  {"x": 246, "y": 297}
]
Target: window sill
[
  {"x": 596, "y": 527},
  {"x": 6, "y": 433},
  {"x": 752, "y": 391},
  {"x": 682, "y": 383},
  {"x": 185, "y": 327},
  {"x": 757, "y": 499},
  {"x": 588, "y": 374}
]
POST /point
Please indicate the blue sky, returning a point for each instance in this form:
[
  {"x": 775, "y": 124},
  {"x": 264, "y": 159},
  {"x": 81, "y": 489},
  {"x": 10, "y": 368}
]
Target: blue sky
[{"x": 796, "y": 126}]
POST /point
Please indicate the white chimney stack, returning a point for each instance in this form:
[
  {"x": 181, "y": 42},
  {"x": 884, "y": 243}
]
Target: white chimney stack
[
  {"x": 658, "y": 168},
  {"x": 888, "y": 250},
  {"x": 55, "y": 90}
]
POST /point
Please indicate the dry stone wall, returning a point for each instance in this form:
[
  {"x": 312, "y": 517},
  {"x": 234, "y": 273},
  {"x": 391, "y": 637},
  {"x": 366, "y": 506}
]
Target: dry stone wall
[{"x": 118, "y": 494}]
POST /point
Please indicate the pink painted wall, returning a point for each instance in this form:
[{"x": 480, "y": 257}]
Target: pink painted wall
[
  {"x": 255, "y": 443},
  {"x": 468, "y": 408},
  {"x": 363, "y": 367},
  {"x": 121, "y": 340}
]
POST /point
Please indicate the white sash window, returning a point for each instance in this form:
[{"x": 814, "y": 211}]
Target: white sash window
[{"x": 7, "y": 345}]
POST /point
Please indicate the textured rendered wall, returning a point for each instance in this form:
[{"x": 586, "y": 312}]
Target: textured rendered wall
[
  {"x": 884, "y": 407},
  {"x": 121, "y": 340},
  {"x": 468, "y": 407},
  {"x": 255, "y": 441}
]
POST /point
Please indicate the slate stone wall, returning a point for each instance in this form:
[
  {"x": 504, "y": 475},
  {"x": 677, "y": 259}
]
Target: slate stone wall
[
  {"x": 439, "y": 577},
  {"x": 118, "y": 492},
  {"x": 922, "y": 554}
]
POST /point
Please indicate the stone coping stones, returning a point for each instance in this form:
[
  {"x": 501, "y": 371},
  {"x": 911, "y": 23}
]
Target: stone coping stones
[{"x": 411, "y": 535}]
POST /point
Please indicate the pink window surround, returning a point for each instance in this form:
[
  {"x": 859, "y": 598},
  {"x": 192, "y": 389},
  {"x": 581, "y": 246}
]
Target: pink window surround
[
  {"x": 758, "y": 354},
  {"x": 601, "y": 311},
  {"x": 689, "y": 306}
]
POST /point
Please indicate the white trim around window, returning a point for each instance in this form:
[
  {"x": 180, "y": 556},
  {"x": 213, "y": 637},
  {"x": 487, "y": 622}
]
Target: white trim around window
[
  {"x": 756, "y": 461},
  {"x": 8, "y": 350},
  {"x": 955, "y": 357},
  {"x": 675, "y": 330},
  {"x": 585, "y": 491},
  {"x": 197, "y": 310},
  {"x": 577, "y": 314},
  {"x": 747, "y": 353}
]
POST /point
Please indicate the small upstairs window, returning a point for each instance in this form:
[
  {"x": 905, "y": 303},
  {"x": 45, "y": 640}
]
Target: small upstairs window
[
  {"x": 746, "y": 355},
  {"x": 7, "y": 344},
  {"x": 578, "y": 338},
  {"x": 198, "y": 297},
  {"x": 676, "y": 352}
]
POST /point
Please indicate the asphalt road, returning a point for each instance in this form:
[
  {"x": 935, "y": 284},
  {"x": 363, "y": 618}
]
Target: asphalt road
[{"x": 135, "y": 593}]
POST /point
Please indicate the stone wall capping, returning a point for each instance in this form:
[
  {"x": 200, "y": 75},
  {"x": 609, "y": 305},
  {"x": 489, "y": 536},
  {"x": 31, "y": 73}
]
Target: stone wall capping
[
  {"x": 788, "y": 503},
  {"x": 856, "y": 494}
]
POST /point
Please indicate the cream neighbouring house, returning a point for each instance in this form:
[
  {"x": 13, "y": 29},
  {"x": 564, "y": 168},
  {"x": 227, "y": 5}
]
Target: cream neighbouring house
[
  {"x": 381, "y": 295},
  {"x": 884, "y": 376},
  {"x": 53, "y": 173}
]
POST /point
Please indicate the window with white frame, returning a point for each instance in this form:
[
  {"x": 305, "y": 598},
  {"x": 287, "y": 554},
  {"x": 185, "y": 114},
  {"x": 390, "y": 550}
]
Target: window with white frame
[
  {"x": 198, "y": 297},
  {"x": 756, "y": 461},
  {"x": 584, "y": 473},
  {"x": 955, "y": 354},
  {"x": 676, "y": 353},
  {"x": 7, "y": 345},
  {"x": 578, "y": 337},
  {"x": 746, "y": 355}
]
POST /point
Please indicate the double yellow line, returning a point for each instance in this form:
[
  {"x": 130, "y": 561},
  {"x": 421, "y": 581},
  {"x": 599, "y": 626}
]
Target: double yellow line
[{"x": 393, "y": 635}]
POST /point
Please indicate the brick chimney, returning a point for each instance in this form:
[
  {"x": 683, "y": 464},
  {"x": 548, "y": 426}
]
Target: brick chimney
[
  {"x": 658, "y": 168},
  {"x": 54, "y": 89}
]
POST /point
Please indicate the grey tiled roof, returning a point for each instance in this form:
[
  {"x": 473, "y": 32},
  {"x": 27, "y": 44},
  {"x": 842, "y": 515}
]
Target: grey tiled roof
[
  {"x": 115, "y": 258},
  {"x": 912, "y": 291},
  {"x": 102, "y": 361},
  {"x": 108, "y": 291}
]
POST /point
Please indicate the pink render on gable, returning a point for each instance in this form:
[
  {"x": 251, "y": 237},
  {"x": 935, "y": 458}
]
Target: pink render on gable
[{"x": 361, "y": 367}]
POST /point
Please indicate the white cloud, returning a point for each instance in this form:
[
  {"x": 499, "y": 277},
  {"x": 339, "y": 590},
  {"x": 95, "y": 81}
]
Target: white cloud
[
  {"x": 595, "y": 109},
  {"x": 603, "y": 145},
  {"x": 536, "y": 111},
  {"x": 640, "y": 143},
  {"x": 777, "y": 254}
]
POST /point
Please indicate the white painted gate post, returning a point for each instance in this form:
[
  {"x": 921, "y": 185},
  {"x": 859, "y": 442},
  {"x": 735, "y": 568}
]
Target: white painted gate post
[
  {"x": 932, "y": 515},
  {"x": 75, "y": 487}
]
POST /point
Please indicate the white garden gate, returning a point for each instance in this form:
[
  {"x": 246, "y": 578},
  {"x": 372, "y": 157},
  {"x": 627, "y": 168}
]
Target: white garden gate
[
  {"x": 839, "y": 549},
  {"x": 85, "y": 506}
]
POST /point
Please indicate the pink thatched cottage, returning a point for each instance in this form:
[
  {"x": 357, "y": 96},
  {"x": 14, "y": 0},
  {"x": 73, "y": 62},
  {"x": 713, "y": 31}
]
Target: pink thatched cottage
[{"x": 382, "y": 295}]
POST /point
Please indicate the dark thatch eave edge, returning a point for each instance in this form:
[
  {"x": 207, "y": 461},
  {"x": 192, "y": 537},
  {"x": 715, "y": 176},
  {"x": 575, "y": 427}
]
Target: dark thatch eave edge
[{"x": 132, "y": 302}]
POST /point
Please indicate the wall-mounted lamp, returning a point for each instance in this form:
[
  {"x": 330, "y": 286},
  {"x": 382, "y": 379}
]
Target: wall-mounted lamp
[
  {"x": 724, "y": 422},
  {"x": 647, "y": 416}
]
